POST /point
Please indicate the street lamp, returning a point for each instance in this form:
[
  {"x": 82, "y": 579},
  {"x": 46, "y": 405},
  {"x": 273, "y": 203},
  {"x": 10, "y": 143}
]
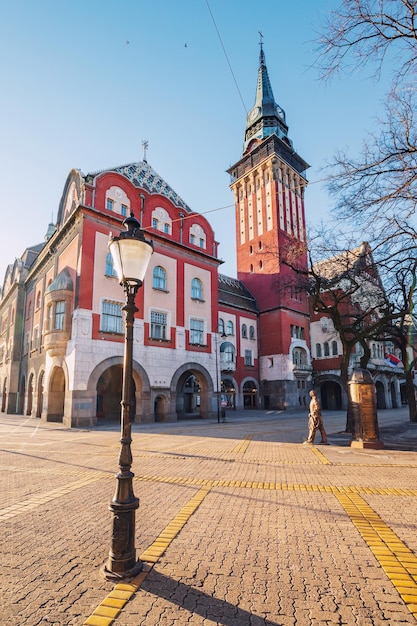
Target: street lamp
[
  {"x": 222, "y": 336},
  {"x": 131, "y": 254}
]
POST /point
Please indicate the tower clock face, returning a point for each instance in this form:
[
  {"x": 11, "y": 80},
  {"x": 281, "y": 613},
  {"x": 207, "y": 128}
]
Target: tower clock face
[
  {"x": 254, "y": 113},
  {"x": 280, "y": 112}
]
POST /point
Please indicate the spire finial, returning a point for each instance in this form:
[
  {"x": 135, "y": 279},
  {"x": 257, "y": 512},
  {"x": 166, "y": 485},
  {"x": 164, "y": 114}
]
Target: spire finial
[
  {"x": 145, "y": 144},
  {"x": 261, "y": 51}
]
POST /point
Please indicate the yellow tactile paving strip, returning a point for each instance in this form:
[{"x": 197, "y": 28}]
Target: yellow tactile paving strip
[
  {"x": 323, "y": 459},
  {"x": 397, "y": 561},
  {"x": 112, "y": 604},
  {"x": 243, "y": 445},
  {"x": 36, "y": 501}
]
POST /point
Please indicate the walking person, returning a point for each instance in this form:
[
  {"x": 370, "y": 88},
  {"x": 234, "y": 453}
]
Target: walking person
[{"x": 315, "y": 420}]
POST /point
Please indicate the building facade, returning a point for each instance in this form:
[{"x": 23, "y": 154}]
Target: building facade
[{"x": 203, "y": 342}]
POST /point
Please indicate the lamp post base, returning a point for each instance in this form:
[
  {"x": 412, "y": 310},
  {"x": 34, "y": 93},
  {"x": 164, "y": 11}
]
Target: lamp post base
[{"x": 108, "y": 574}]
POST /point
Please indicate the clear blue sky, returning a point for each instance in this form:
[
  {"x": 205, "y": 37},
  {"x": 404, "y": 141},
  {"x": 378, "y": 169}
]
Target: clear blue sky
[{"x": 75, "y": 93}]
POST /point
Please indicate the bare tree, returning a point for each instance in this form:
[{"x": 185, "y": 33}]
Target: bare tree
[
  {"x": 378, "y": 188},
  {"x": 366, "y": 296},
  {"x": 360, "y": 32}
]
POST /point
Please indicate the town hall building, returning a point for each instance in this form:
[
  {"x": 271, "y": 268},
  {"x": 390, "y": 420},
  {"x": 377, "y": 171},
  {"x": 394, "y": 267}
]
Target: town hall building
[{"x": 202, "y": 340}]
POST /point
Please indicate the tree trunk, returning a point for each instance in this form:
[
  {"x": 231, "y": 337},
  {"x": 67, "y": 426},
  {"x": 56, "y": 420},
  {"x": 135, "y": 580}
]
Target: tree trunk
[
  {"x": 411, "y": 396},
  {"x": 344, "y": 377}
]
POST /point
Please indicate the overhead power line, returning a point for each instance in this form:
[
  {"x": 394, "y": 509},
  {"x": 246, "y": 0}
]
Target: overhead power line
[{"x": 227, "y": 58}]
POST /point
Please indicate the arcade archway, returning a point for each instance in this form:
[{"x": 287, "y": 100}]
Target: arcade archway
[
  {"x": 331, "y": 396},
  {"x": 193, "y": 390},
  {"x": 56, "y": 396}
]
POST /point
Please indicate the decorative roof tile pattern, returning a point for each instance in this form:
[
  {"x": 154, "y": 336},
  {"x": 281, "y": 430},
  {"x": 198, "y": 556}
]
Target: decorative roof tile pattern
[{"x": 143, "y": 175}]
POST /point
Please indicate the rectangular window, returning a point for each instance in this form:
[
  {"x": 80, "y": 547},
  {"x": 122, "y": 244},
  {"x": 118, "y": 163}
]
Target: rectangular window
[
  {"x": 192, "y": 238},
  {"x": 111, "y": 317},
  {"x": 248, "y": 357},
  {"x": 158, "y": 325},
  {"x": 35, "y": 344},
  {"x": 196, "y": 331},
  {"x": 297, "y": 332},
  {"x": 201, "y": 243},
  {"x": 155, "y": 223},
  {"x": 123, "y": 210},
  {"x": 166, "y": 228},
  {"x": 59, "y": 315},
  {"x": 109, "y": 204}
]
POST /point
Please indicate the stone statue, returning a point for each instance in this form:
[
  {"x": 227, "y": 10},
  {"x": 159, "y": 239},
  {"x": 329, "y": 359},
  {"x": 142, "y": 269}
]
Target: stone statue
[{"x": 315, "y": 420}]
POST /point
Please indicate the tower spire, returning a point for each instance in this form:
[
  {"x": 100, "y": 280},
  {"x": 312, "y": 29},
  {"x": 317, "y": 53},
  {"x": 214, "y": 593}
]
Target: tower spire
[{"x": 266, "y": 117}]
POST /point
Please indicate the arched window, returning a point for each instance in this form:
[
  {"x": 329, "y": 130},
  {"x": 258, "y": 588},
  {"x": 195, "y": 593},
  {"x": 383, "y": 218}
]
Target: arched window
[
  {"x": 251, "y": 332},
  {"x": 38, "y": 300},
  {"x": 230, "y": 328},
  {"x": 227, "y": 350},
  {"x": 159, "y": 280},
  {"x": 299, "y": 356},
  {"x": 196, "y": 289},
  {"x": 244, "y": 331},
  {"x": 326, "y": 348},
  {"x": 334, "y": 348},
  {"x": 221, "y": 326},
  {"x": 318, "y": 350},
  {"x": 110, "y": 271}
]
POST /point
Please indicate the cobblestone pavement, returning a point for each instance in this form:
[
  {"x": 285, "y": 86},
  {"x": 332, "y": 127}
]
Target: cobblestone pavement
[{"x": 239, "y": 524}]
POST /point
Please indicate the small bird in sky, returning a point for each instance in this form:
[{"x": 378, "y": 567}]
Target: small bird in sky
[
  {"x": 185, "y": 45},
  {"x": 127, "y": 42}
]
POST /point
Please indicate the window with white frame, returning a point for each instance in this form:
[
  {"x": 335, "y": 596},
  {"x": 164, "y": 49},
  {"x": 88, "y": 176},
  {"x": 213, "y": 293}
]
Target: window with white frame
[
  {"x": 59, "y": 317},
  {"x": 111, "y": 317},
  {"x": 244, "y": 331},
  {"x": 110, "y": 271},
  {"x": 334, "y": 348},
  {"x": 197, "y": 234},
  {"x": 196, "y": 289},
  {"x": 229, "y": 353},
  {"x": 299, "y": 356},
  {"x": 158, "y": 325},
  {"x": 161, "y": 220},
  {"x": 251, "y": 332},
  {"x": 248, "y": 358},
  {"x": 221, "y": 326},
  {"x": 159, "y": 279},
  {"x": 326, "y": 348},
  {"x": 230, "y": 328},
  {"x": 318, "y": 350},
  {"x": 196, "y": 331},
  {"x": 117, "y": 200}
]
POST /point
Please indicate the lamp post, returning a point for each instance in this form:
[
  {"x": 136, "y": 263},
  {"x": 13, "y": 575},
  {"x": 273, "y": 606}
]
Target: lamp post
[
  {"x": 131, "y": 254},
  {"x": 223, "y": 335}
]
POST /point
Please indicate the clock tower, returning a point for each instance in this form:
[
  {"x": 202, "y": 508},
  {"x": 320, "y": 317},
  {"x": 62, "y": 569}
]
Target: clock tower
[{"x": 268, "y": 184}]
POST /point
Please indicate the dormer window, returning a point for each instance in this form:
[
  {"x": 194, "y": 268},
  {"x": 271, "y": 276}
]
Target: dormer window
[
  {"x": 117, "y": 201},
  {"x": 197, "y": 236}
]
